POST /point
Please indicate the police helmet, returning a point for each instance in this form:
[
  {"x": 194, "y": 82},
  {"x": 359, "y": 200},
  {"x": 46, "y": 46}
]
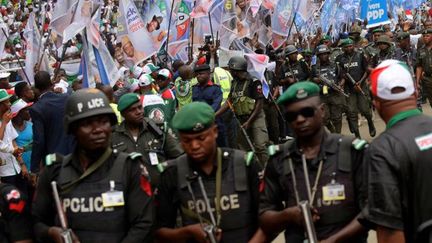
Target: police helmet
[
  {"x": 355, "y": 29},
  {"x": 321, "y": 49},
  {"x": 290, "y": 49},
  {"x": 237, "y": 63},
  {"x": 86, "y": 103}
]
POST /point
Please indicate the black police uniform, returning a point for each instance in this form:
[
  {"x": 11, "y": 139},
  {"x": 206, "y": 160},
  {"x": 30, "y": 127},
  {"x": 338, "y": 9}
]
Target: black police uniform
[
  {"x": 150, "y": 141},
  {"x": 356, "y": 65},
  {"x": 15, "y": 221},
  {"x": 299, "y": 70},
  {"x": 424, "y": 60},
  {"x": 83, "y": 203},
  {"x": 270, "y": 109},
  {"x": 341, "y": 160},
  {"x": 238, "y": 200},
  {"x": 399, "y": 171},
  {"x": 335, "y": 102},
  {"x": 387, "y": 54}
]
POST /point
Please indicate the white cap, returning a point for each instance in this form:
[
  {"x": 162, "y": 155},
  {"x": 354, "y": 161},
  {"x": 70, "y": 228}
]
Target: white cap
[
  {"x": 134, "y": 85},
  {"x": 18, "y": 46},
  {"x": 123, "y": 72},
  {"x": 145, "y": 80},
  {"x": 146, "y": 70},
  {"x": 388, "y": 76},
  {"x": 137, "y": 71},
  {"x": 18, "y": 105},
  {"x": 4, "y": 74},
  {"x": 165, "y": 72}
]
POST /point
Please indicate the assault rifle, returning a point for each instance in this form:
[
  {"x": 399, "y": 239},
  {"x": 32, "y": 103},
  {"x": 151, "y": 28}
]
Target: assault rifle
[
  {"x": 66, "y": 234},
  {"x": 332, "y": 85},
  {"x": 307, "y": 215}
]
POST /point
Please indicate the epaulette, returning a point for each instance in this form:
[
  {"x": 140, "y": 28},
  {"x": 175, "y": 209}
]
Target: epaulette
[
  {"x": 249, "y": 157},
  {"x": 359, "y": 144},
  {"x": 134, "y": 155},
  {"x": 52, "y": 159},
  {"x": 273, "y": 149}
]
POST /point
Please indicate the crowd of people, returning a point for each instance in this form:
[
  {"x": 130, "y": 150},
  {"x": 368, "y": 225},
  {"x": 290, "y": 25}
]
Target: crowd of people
[{"x": 205, "y": 151}]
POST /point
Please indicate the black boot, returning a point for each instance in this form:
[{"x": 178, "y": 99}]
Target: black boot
[{"x": 357, "y": 134}]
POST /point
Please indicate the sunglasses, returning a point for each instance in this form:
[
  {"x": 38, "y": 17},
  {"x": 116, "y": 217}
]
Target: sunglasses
[{"x": 305, "y": 112}]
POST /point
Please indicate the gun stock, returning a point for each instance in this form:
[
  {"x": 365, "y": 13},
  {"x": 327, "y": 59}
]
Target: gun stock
[
  {"x": 66, "y": 233},
  {"x": 307, "y": 215}
]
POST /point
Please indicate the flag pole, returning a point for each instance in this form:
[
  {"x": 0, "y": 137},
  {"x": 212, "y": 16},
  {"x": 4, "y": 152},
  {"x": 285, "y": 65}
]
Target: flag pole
[
  {"x": 16, "y": 56},
  {"x": 169, "y": 25}
]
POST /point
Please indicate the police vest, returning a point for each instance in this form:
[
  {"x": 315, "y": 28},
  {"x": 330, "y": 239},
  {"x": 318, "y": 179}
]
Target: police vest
[
  {"x": 86, "y": 215},
  {"x": 243, "y": 105},
  {"x": 327, "y": 71},
  {"x": 237, "y": 214},
  {"x": 330, "y": 212},
  {"x": 223, "y": 78}
]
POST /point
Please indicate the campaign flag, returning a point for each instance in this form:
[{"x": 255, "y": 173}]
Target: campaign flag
[
  {"x": 375, "y": 11},
  {"x": 282, "y": 15},
  {"x": 33, "y": 46},
  {"x": 137, "y": 43},
  {"x": 106, "y": 67},
  {"x": 257, "y": 65},
  {"x": 3, "y": 38},
  {"x": 80, "y": 19},
  {"x": 64, "y": 11},
  {"x": 85, "y": 66},
  {"x": 180, "y": 30},
  {"x": 201, "y": 8}
]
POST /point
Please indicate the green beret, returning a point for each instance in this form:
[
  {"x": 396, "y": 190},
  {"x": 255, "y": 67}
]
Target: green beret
[
  {"x": 402, "y": 35},
  {"x": 378, "y": 30},
  {"x": 299, "y": 91},
  {"x": 427, "y": 31},
  {"x": 127, "y": 100},
  {"x": 325, "y": 38},
  {"x": 307, "y": 52},
  {"x": 193, "y": 118},
  {"x": 346, "y": 42}
]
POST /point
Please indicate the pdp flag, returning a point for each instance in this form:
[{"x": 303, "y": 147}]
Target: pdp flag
[{"x": 257, "y": 65}]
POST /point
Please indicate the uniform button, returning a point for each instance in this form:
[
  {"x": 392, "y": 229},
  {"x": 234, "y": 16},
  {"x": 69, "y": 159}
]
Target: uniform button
[
  {"x": 115, "y": 151},
  {"x": 225, "y": 154}
]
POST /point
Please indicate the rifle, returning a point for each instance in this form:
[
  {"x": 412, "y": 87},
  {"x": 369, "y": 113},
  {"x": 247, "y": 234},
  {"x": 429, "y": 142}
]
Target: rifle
[
  {"x": 307, "y": 215},
  {"x": 66, "y": 234},
  {"x": 209, "y": 229},
  {"x": 332, "y": 85},
  {"x": 249, "y": 142},
  {"x": 356, "y": 84}
]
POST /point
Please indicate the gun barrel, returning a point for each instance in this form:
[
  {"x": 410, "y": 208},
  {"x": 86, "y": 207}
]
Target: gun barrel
[
  {"x": 333, "y": 86},
  {"x": 307, "y": 215},
  {"x": 59, "y": 207}
]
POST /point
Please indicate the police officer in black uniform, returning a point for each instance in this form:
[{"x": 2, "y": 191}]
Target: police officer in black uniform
[
  {"x": 230, "y": 179},
  {"x": 247, "y": 99},
  {"x": 106, "y": 194},
  {"x": 385, "y": 50},
  {"x": 424, "y": 65},
  {"x": 354, "y": 64},
  {"x": 331, "y": 163},
  {"x": 334, "y": 100},
  {"x": 142, "y": 135},
  {"x": 292, "y": 69},
  {"x": 15, "y": 221}
]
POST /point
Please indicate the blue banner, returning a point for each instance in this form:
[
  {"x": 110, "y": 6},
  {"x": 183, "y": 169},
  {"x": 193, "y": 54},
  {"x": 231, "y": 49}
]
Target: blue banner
[{"x": 375, "y": 11}]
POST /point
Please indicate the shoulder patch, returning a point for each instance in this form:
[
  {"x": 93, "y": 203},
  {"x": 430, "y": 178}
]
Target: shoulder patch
[
  {"x": 249, "y": 157},
  {"x": 134, "y": 155},
  {"x": 52, "y": 159},
  {"x": 273, "y": 149},
  {"x": 359, "y": 144}
]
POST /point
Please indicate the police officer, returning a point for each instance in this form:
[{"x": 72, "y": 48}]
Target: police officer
[
  {"x": 14, "y": 218},
  {"x": 207, "y": 91},
  {"x": 292, "y": 69},
  {"x": 399, "y": 191},
  {"x": 142, "y": 135},
  {"x": 334, "y": 51},
  {"x": 372, "y": 49},
  {"x": 246, "y": 100},
  {"x": 354, "y": 34},
  {"x": 331, "y": 163},
  {"x": 106, "y": 194},
  {"x": 230, "y": 179},
  {"x": 424, "y": 65},
  {"x": 385, "y": 52},
  {"x": 352, "y": 68},
  {"x": 405, "y": 52},
  {"x": 334, "y": 100}
]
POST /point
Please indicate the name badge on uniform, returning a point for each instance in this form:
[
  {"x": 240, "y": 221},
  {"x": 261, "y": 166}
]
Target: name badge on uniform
[
  {"x": 333, "y": 192},
  {"x": 153, "y": 158},
  {"x": 112, "y": 198}
]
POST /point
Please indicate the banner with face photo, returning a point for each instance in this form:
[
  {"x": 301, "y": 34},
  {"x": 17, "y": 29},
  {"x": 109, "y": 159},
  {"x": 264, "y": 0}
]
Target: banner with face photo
[
  {"x": 156, "y": 14},
  {"x": 137, "y": 43}
]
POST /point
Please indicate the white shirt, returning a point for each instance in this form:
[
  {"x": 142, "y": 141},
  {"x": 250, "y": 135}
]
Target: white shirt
[{"x": 8, "y": 164}]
